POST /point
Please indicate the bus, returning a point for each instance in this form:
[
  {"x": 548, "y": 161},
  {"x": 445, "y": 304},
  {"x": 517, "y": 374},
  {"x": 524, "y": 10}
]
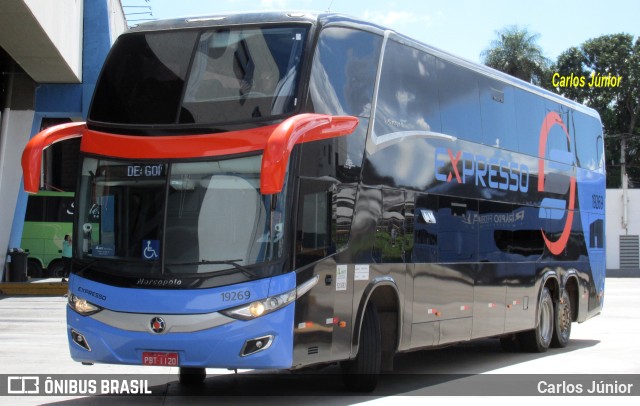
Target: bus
[
  {"x": 49, "y": 217},
  {"x": 292, "y": 190}
]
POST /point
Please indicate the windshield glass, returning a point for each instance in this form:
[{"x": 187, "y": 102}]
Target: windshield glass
[
  {"x": 195, "y": 77},
  {"x": 176, "y": 218}
]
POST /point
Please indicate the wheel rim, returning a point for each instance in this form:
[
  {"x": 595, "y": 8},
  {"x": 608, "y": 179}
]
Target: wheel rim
[
  {"x": 564, "y": 323},
  {"x": 546, "y": 321}
]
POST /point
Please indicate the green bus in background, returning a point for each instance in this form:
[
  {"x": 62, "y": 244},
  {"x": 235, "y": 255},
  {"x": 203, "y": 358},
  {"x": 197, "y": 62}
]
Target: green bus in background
[{"x": 48, "y": 219}]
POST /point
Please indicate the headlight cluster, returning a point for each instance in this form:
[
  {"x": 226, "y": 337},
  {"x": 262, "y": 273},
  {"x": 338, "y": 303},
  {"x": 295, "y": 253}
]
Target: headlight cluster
[
  {"x": 81, "y": 305},
  {"x": 261, "y": 307},
  {"x": 271, "y": 304}
]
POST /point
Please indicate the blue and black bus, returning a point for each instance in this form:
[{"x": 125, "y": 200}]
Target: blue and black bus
[{"x": 284, "y": 190}]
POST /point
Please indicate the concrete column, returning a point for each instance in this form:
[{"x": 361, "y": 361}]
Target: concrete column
[{"x": 15, "y": 131}]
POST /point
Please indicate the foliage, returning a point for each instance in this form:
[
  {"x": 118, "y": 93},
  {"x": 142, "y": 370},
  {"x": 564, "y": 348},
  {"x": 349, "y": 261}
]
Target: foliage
[
  {"x": 515, "y": 51},
  {"x": 619, "y": 106}
]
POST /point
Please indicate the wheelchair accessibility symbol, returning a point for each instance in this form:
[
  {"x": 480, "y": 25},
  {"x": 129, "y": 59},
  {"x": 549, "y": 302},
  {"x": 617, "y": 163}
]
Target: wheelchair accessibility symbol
[{"x": 150, "y": 249}]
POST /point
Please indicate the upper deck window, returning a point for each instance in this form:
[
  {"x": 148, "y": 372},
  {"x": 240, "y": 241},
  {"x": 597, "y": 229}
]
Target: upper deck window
[{"x": 214, "y": 76}]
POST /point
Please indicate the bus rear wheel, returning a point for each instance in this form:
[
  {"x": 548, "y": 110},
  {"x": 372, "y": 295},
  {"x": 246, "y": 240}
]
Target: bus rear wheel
[
  {"x": 192, "y": 376},
  {"x": 562, "y": 319},
  {"x": 539, "y": 339},
  {"x": 361, "y": 374}
]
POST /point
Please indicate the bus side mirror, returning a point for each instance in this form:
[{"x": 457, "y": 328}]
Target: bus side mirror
[
  {"x": 32, "y": 155},
  {"x": 292, "y": 131}
]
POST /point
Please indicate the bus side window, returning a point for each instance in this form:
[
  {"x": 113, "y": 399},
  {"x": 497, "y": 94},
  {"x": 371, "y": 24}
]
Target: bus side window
[
  {"x": 459, "y": 97},
  {"x": 589, "y": 132},
  {"x": 343, "y": 202},
  {"x": 344, "y": 72},
  {"x": 408, "y": 92},
  {"x": 425, "y": 229},
  {"x": 457, "y": 229},
  {"x": 390, "y": 244},
  {"x": 35, "y": 208},
  {"x": 560, "y": 148},
  {"x": 497, "y": 110},
  {"x": 313, "y": 233},
  {"x": 530, "y": 113},
  {"x": 339, "y": 158},
  {"x": 59, "y": 209}
]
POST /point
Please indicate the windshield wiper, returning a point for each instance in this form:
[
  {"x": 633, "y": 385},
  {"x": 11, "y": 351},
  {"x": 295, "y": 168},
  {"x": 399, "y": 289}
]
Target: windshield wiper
[
  {"x": 87, "y": 265},
  {"x": 232, "y": 262}
]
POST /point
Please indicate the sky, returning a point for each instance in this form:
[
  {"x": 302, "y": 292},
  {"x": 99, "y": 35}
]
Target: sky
[{"x": 462, "y": 27}]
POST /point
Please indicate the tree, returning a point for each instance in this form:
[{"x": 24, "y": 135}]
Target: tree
[
  {"x": 515, "y": 51},
  {"x": 619, "y": 106}
]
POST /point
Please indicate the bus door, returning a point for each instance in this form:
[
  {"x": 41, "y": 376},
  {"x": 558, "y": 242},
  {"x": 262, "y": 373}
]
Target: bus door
[{"x": 322, "y": 321}]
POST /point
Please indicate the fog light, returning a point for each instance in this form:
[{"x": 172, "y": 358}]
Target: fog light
[
  {"x": 256, "y": 345},
  {"x": 80, "y": 340}
]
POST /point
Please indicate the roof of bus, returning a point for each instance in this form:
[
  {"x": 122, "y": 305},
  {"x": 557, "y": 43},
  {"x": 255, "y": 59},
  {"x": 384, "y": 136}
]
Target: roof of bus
[
  {"x": 230, "y": 19},
  {"x": 315, "y": 18}
]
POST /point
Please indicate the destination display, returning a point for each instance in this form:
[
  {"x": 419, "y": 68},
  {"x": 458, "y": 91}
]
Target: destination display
[{"x": 133, "y": 170}]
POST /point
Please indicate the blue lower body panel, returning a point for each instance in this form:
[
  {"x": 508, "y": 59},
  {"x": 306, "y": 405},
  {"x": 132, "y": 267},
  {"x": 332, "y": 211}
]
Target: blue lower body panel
[{"x": 216, "y": 347}]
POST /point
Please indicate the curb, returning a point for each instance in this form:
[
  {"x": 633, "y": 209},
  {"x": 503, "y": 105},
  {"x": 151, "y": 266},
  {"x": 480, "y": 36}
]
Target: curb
[{"x": 33, "y": 289}]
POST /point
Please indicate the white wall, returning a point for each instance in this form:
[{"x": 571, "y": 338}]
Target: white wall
[
  {"x": 44, "y": 37},
  {"x": 614, "y": 222},
  {"x": 15, "y": 130},
  {"x": 61, "y": 20},
  {"x": 117, "y": 22}
]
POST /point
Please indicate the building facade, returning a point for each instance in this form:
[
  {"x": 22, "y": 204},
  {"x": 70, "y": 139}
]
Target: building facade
[
  {"x": 51, "y": 53},
  {"x": 623, "y": 231}
]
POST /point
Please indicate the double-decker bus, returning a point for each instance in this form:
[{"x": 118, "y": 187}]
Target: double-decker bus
[
  {"x": 49, "y": 217},
  {"x": 284, "y": 190}
]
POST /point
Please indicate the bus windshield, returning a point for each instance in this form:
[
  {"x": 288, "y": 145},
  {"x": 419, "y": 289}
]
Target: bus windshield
[
  {"x": 178, "y": 218},
  {"x": 198, "y": 77}
]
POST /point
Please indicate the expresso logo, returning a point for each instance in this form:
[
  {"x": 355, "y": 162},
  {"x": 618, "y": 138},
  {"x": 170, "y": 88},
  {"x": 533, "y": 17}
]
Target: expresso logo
[
  {"x": 493, "y": 173},
  {"x": 468, "y": 168},
  {"x": 92, "y": 293},
  {"x": 555, "y": 183}
]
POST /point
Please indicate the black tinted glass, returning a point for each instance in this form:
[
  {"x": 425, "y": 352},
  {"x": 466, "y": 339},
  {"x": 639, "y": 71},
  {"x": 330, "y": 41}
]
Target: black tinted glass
[
  {"x": 200, "y": 77},
  {"x": 143, "y": 77},
  {"x": 408, "y": 94},
  {"x": 344, "y": 72}
]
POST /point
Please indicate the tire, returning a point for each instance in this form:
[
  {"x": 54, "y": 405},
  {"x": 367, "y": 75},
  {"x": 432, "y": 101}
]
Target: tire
[
  {"x": 56, "y": 269},
  {"x": 562, "y": 319},
  {"x": 539, "y": 339},
  {"x": 361, "y": 374},
  {"x": 192, "y": 376},
  {"x": 34, "y": 268}
]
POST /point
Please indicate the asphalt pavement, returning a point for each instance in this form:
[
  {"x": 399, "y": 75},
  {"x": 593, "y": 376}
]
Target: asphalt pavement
[{"x": 33, "y": 342}]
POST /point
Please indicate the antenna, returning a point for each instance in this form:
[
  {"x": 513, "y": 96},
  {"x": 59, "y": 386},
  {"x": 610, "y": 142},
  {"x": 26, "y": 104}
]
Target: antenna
[
  {"x": 135, "y": 13},
  {"x": 329, "y": 8}
]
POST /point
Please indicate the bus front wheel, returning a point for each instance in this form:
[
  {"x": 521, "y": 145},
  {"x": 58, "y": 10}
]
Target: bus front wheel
[
  {"x": 361, "y": 374},
  {"x": 539, "y": 339}
]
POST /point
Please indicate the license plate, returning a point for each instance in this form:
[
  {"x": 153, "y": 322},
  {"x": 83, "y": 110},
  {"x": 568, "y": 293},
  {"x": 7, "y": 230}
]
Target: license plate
[{"x": 165, "y": 359}]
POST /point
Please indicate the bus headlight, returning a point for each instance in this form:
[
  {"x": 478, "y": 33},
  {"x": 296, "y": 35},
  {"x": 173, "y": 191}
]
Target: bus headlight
[
  {"x": 261, "y": 307},
  {"x": 81, "y": 305}
]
